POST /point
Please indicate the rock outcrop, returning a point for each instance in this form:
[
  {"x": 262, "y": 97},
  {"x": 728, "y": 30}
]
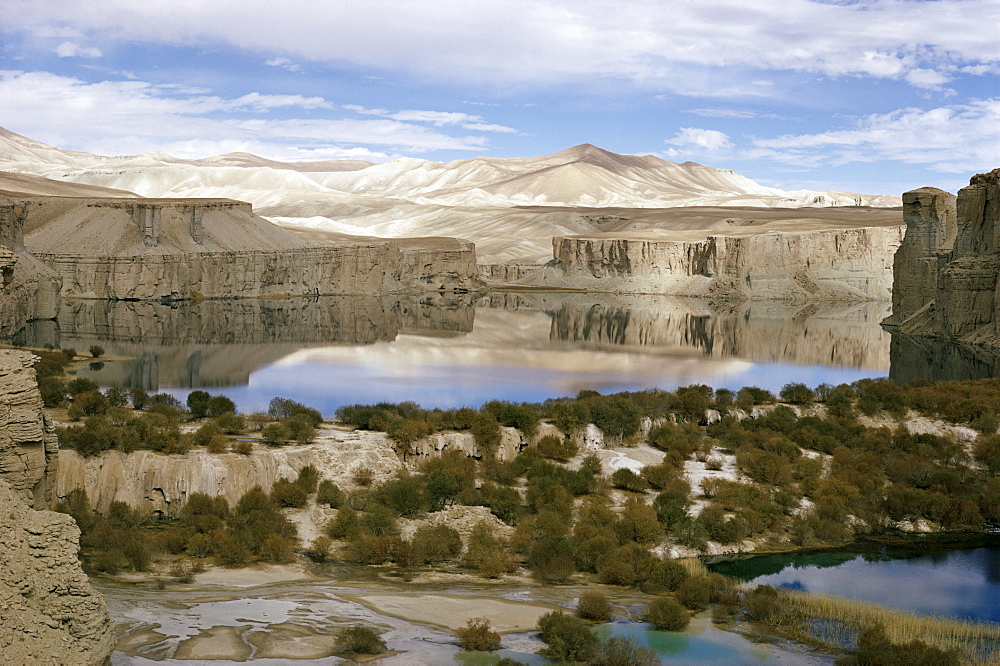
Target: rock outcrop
[
  {"x": 49, "y": 614},
  {"x": 28, "y": 290},
  {"x": 157, "y": 483},
  {"x": 947, "y": 276},
  {"x": 28, "y": 445},
  {"x": 840, "y": 264},
  {"x": 176, "y": 249}
]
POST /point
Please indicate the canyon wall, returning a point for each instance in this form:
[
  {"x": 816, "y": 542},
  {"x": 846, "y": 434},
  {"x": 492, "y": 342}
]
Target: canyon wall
[
  {"x": 50, "y": 613},
  {"x": 351, "y": 268},
  {"x": 176, "y": 249},
  {"x": 948, "y": 271},
  {"x": 28, "y": 290},
  {"x": 843, "y": 264}
]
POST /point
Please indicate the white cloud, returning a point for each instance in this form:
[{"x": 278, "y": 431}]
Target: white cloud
[
  {"x": 489, "y": 127},
  {"x": 126, "y": 117},
  {"x": 743, "y": 114},
  {"x": 357, "y": 108},
  {"x": 283, "y": 63},
  {"x": 955, "y": 138},
  {"x": 927, "y": 78},
  {"x": 74, "y": 50},
  {"x": 437, "y": 118},
  {"x": 706, "y": 139},
  {"x": 531, "y": 42}
]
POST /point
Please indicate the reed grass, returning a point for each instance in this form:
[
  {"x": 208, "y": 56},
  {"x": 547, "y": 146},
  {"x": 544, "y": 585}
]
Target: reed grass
[
  {"x": 845, "y": 618},
  {"x": 694, "y": 566}
]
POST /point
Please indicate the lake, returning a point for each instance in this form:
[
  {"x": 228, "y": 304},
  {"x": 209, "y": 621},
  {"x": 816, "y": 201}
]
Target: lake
[
  {"x": 462, "y": 350},
  {"x": 933, "y": 579}
]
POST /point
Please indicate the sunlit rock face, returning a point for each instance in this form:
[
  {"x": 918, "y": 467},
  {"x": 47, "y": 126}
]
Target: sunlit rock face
[
  {"x": 841, "y": 264},
  {"x": 28, "y": 445},
  {"x": 176, "y": 249},
  {"x": 958, "y": 300},
  {"x": 48, "y": 611}
]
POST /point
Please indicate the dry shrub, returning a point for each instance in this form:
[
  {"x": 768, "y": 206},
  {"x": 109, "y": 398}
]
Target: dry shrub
[{"x": 478, "y": 635}]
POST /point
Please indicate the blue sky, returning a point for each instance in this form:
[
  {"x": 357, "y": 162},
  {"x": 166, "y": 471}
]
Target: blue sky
[{"x": 873, "y": 96}]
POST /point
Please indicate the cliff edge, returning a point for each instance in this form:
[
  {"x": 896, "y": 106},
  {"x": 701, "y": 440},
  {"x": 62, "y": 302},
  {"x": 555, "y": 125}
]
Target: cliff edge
[
  {"x": 49, "y": 613},
  {"x": 946, "y": 272}
]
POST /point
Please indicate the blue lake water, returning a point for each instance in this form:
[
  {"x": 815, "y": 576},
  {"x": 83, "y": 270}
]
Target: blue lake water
[
  {"x": 462, "y": 351},
  {"x": 961, "y": 584}
]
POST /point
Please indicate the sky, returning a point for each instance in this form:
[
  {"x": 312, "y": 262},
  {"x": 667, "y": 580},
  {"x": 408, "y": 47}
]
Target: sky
[{"x": 871, "y": 96}]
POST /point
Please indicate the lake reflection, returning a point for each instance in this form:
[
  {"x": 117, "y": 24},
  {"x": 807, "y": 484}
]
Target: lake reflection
[
  {"x": 950, "y": 583},
  {"x": 447, "y": 350}
]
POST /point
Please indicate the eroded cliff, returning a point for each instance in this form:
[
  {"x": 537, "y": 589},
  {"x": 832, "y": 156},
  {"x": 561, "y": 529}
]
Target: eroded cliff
[
  {"x": 841, "y": 264},
  {"x": 175, "y": 249},
  {"x": 948, "y": 270},
  {"x": 153, "y": 482},
  {"x": 49, "y": 614},
  {"x": 28, "y": 290}
]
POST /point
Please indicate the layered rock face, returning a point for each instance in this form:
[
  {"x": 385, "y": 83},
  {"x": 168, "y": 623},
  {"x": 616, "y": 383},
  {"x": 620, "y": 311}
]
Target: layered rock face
[
  {"x": 947, "y": 278},
  {"x": 49, "y": 614},
  {"x": 28, "y": 445},
  {"x": 28, "y": 290},
  {"x": 845, "y": 264},
  {"x": 176, "y": 249},
  {"x": 931, "y": 227}
]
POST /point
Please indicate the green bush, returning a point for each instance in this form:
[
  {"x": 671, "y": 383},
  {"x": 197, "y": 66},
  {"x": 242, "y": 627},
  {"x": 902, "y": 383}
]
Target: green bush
[
  {"x": 666, "y": 576},
  {"x": 288, "y": 494},
  {"x": 594, "y": 606},
  {"x": 566, "y": 638},
  {"x": 667, "y": 614},
  {"x": 218, "y": 405},
  {"x": 619, "y": 651},
  {"x": 478, "y": 635},
  {"x": 197, "y": 403},
  {"x": 626, "y": 479},
  {"x": 308, "y": 478},
  {"x": 557, "y": 448},
  {"x": 359, "y": 640},
  {"x": 436, "y": 543},
  {"x": 330, "y": 494},
  {"x": 695, "y": 593}
]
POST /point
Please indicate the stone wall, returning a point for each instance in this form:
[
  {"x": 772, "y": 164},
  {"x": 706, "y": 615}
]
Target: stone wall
[{"x": 845, "y": 264}]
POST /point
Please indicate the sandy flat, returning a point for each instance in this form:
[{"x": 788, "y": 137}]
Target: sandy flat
[
  {"x": 215, "y": 643},
  {"x": 454, "y": 612},
  {"x": 292, "y": 641},
  {"x": 265, "y": 574}
]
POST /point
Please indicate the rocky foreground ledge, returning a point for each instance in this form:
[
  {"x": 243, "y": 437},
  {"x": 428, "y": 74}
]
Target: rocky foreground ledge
[{"x": 49, "y": 613}]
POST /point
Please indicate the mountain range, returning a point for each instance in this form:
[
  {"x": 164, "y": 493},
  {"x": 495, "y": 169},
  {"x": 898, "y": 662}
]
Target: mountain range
[{"x": 510, "y": 207}]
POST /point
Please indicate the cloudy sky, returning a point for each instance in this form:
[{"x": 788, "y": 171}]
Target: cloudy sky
[{"x": 875, "y": 96}]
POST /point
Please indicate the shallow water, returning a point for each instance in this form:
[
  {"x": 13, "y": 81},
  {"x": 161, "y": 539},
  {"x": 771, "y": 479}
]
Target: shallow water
[
  {"x": 180, "y": 614},
  {"x": 962, "y": 584}
]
